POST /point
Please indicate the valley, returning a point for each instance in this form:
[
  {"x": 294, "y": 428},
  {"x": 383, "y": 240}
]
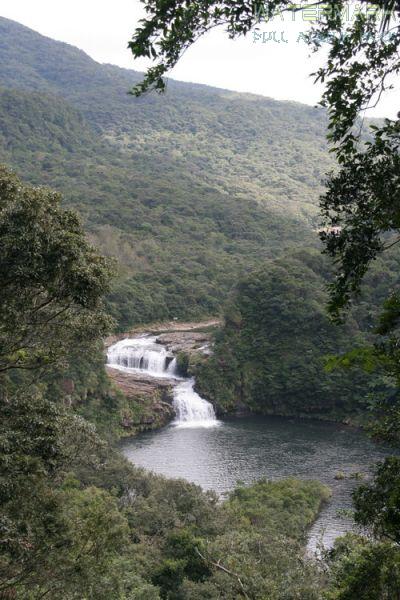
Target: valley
[{"x": 199, "y": 328}]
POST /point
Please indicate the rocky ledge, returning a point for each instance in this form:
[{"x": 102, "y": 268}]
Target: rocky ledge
[
  {"x": 174, "y": 330},
  {"x": 133, "y": 384},
  {"x": 148, "y": 401},
  {"x": 185, "y": 341}
]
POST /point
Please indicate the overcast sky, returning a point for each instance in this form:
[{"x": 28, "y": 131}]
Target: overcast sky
[{"x": 279, "y": 69}]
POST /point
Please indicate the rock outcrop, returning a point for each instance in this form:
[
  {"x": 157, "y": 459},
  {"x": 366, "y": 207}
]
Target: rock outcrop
[
  {"x": 185, "y": 341},
  {"x": 149, "y": 400},
  {"x": 184, "y": 329}
]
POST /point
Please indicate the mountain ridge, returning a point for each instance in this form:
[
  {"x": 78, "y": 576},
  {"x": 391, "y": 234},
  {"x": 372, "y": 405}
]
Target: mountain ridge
[{"x": 6, "y": 23}]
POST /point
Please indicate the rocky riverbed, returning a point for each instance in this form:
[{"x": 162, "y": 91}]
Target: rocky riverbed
[{"x": 183, "y": 330}]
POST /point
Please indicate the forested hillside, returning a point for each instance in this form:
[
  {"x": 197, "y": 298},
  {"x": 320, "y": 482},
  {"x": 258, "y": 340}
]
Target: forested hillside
[
  {"x": 192, "y": 192},
  {"x": 272, "y": 354},
  {"x": 188, "y": 191}
]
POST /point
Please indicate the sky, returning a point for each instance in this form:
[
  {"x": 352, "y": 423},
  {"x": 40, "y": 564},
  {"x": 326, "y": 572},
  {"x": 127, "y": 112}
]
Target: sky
[{"x": 277, "y": 64}]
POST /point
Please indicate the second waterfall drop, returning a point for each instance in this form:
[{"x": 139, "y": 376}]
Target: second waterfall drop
[{"x": 191, "y": 409}]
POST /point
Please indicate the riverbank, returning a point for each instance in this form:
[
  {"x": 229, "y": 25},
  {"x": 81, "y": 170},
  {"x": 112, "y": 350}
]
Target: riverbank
[{"x": 273, "y": 448}]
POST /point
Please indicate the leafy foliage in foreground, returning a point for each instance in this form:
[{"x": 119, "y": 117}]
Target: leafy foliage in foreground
[
  {"x": 368, "y": 566},
  {"x": 52, "y": 280},
  {"x": 362, "y": 569},
  {"x": 362, "y": 201}
]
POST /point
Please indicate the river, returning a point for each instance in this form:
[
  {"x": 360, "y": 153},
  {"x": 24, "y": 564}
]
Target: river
[
  {"x": 247, "y": 449},
  {"x": 217, "y": 454}
]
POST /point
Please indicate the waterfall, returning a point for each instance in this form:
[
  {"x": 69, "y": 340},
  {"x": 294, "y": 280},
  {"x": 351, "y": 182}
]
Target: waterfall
[
  {"x": 192, "y": 410},
  {"x": 144, "y": 355},
  {"x": 171, "y": 369}
]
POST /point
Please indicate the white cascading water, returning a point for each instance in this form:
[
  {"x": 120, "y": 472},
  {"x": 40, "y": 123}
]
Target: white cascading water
[
  {"x": 191, "y": 409},
  {"x": 144, "y": 355}
]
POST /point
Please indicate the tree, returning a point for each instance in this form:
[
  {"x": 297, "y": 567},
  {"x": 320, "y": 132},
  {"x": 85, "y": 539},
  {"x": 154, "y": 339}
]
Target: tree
[
  {"x": 171, "y": 27},
  {"x": 377, "y": 504},
  {"x": 51, "y": 282},
  {"x": 360, "y": 569},
  {"x": 270, "y": 353},
  {"x": 51, "y": 279}
]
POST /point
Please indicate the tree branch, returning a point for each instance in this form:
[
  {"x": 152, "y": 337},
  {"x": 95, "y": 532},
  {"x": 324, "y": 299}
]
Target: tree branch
[{"x": 218, "y": 565}]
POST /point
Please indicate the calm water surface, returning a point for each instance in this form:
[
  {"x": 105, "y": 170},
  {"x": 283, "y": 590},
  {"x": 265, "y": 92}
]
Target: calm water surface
[{"x": 247, "y": 449}]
